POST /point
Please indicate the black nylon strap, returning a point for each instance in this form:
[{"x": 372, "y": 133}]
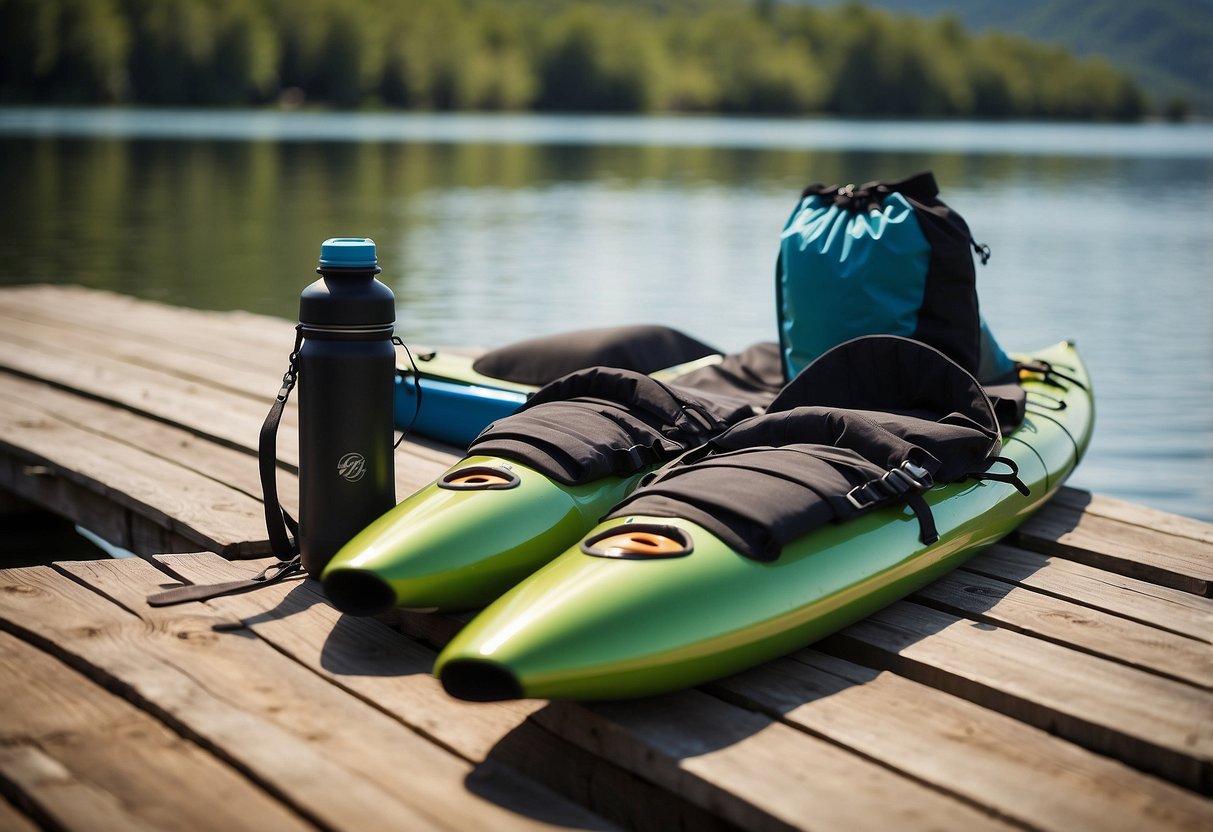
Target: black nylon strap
[
  {"x": 272, "y": 574},
  {"x": 1011, "y": 478},
  {"x": 279, "y": 525},
  {"x": 927, "y": 531}
]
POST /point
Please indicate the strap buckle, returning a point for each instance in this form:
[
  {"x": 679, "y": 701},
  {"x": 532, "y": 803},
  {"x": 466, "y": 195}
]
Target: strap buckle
[
  {"x": 627, "y": 461},
  {"x": 697, "y": 420},
  {"x": 288, "y": 384},
  {"x": 907, "y": 478}
]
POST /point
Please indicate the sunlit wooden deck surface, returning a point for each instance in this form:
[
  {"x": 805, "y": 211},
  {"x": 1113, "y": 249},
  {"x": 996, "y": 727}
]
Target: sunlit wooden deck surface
[{"x": 1063, "y": 680}]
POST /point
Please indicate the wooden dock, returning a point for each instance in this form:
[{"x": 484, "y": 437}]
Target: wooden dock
[{"x": 1063, "y": 680}]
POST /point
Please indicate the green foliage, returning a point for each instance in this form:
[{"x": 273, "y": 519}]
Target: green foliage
[
  {"x": 1167, "y": 45},
  {"x": 63, "y": 50},
  {"x": 729, "y": 56}
]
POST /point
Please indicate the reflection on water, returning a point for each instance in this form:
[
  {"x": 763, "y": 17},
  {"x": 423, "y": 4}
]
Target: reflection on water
[{"x": 486, "y": 240}]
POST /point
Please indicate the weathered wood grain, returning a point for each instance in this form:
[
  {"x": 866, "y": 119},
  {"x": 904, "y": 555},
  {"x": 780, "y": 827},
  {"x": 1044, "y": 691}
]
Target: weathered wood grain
[
  {"x": 253, "y": 378},
  {"x": 81, "y": 430},
  {"x": 707, "y": 752},
  {"x": 51, "y": 784},
  {"x": 223, "y": 399},
  {"x": 228, "y": 418},
  {"x": 740, "y": 762},
  {"x": 229, "y": 466},
  {"x": 1174, "y": 561},
  {"x": 236, "y": 335},
  {"x": 193, "y": 506},
  {"x": 335, "y": 759},
  {"x": 1134, "y": 513},
  {"x": 361, "y": 655},
  {"x": 1167, "y": 609},
  {"x": 1016, "y": 771},
  {"x": 59, "y": 733},
  {"x": 27, "y": 476},
  {"x": 233, "y": 351},
  {"x": 980, "y": 598},
  {"x": 392, "y": 671},
  {"x": 1155, "y": 724}
]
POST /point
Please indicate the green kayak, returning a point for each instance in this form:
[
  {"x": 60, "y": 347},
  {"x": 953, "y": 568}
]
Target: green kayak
[
  {"x": 461, "y": 541},
  {"x": 533, "y": 483},
  {"x": 677, "y": 607}
]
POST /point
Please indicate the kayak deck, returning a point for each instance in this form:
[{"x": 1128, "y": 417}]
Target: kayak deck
[{"x": 1060, "y": 680}]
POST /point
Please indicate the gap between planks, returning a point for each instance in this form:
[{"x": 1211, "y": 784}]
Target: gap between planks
[
  {"x": 616, "y": 729},
  {"x": 328, "y": 755}
]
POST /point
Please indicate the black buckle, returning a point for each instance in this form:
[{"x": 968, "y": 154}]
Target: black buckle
[
  {"x": 627, "y": 461},
  {"x": 696, "y": 420},
  {"x": 288, "y": 384},
  {"x": 909, "y": 477}
]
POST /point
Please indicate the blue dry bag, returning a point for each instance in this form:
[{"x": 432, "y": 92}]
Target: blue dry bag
[{"x": 887, "y": 258}]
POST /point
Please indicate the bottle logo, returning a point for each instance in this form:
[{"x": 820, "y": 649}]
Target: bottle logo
[{"x": 351, "y": 467}]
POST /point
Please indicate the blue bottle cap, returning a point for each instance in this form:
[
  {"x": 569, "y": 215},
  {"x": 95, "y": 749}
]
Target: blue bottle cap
[{"x": 349, "y": 252}]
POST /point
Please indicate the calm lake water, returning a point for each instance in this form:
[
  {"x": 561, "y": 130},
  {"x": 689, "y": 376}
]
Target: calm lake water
[{"x": 493, "y": 229}]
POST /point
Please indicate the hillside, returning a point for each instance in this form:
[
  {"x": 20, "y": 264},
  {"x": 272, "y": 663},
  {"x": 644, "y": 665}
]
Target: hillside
[{"x": 1167, "y": 45}]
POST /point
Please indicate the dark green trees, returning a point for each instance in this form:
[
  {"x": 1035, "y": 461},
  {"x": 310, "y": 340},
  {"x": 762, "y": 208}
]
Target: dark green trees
[{"x": 706, "y": 56}]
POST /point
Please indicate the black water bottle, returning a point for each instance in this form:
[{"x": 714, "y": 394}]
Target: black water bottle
[{"x": 346, "y": 381}]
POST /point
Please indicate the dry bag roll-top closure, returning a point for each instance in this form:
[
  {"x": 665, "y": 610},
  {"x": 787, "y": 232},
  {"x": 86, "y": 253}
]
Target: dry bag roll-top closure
[
  {"x": 346, "y": 400},
  {"x": 883, "y": 258}
]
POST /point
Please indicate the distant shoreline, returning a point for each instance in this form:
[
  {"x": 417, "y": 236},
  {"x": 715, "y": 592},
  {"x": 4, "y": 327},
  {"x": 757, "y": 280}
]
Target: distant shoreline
[{"x": 1082, "y": 139}]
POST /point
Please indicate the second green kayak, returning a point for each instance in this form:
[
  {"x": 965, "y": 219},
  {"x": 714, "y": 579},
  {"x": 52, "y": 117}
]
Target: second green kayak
[{"x": 676, "y": 606}]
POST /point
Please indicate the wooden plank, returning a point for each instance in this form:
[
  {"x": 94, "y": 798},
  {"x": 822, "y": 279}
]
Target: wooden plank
[
  {"x": 1167, "y": 609},
  {"x": 174, "y": 446},
  {"x": 195, "y": 507},
  {"x": 191, "y": 401},
  {"x": 34, "y": 773},
  {"x": 235, "y": 468},
  {"x": 980, "y": 598},
  {"x": 61, "y": 731},
  {"x": 1155, "y": 724},
  {"x": 254, "y": 378},
  {"x": 1135, "y": 514},
  {"x": 227, "y": 418},
  {"x": 1018, "y": 772},
  {"x": 235, "y": 335},
  {"x": 244, "y": 353},
  {"x": 755, "y": 771},
  {"x": 12, "y": 820},
  {"x": 1125, "y": 548},
  {"x": 332, "y": 757},
  {"x": 392, "y": 671}
]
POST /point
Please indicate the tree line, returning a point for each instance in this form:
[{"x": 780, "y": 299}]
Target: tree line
[{"x": 633, "y": 57}]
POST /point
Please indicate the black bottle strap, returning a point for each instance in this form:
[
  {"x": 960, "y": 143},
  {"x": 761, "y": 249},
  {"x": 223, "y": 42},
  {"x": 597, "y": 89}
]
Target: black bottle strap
[
  {"x": 281, "y": 528},
  {"x": 272, "y": 574},
  {"x": 279, "y": 525}
]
